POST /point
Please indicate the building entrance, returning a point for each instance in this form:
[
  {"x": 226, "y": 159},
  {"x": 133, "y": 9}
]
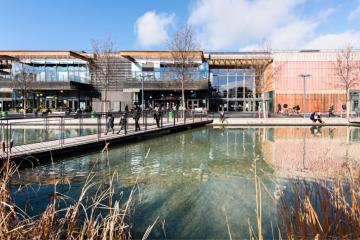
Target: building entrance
[
  {"x": 73, "y": 104},
  {"x": 192, "y": 103}
]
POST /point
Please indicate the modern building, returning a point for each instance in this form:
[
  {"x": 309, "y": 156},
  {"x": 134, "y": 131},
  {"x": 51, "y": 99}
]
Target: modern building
[
  {"x": 157, "y": 75},
  {"x": 229, "y": 81},
  {"x": 321, "y": 88},
  {"x": 61, "y": 79},
  {"x": 236, "y": 80}
]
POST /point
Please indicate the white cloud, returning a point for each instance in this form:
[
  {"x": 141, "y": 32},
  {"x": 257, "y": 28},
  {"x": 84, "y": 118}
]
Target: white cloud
[
  {"x": 355, "y": 13},
  {"x": 335, "y": 41},
  {"x": 229, "y": 23},
  {"x": 151, "y": 28},
  {"x": 243, "y": 24}
]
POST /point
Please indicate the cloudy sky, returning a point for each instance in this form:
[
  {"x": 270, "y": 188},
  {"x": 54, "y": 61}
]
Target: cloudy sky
[{"x": 219, "y": 25}]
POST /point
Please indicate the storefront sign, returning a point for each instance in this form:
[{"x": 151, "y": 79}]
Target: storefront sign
[{"x": 131, "y": 90}]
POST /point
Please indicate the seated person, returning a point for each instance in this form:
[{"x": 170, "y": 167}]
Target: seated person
[{"x": 315, "y": 116}]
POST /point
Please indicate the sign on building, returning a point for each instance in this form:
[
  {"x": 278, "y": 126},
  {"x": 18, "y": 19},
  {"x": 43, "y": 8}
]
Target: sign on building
[{"x": 131, "y": 90}]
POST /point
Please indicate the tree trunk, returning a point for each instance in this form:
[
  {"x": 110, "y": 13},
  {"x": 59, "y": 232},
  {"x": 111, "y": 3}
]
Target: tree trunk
[
  {"x": 105, "y": 101},
  {"x": 24, "y": 104},
  {"x": 183, "y": 97},
  {"x": 263, "y": 108},
  {"x": 348, "y": 104}
]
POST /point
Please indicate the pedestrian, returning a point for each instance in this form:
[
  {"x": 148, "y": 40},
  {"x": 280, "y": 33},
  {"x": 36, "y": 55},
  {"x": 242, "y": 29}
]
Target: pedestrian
[
  {"x": 222, "y": 117},
  {"x": 126, "y": 108},
  {"x": 331, "y": 111},
  {"x": 109, "y": 123},
  {"x": 279, "y": 108},
  {"x": 136, "y": 117},
  {"x": 157, "y": 116},
  {"x": 343, "y": 109},
  {"x": 123, "y": 123}
]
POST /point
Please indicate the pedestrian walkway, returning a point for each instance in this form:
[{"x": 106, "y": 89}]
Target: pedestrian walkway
[
  {"x": 285, "y": 122},
  {"x": 60, "y": 146}
]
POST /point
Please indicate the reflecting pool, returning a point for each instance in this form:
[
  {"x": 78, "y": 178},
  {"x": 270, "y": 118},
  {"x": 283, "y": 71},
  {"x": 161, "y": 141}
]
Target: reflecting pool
[{"x": 200, "y": 183}]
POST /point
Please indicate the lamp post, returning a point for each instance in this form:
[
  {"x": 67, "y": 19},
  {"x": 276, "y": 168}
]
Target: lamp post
[{"x": 304, "y": 76}]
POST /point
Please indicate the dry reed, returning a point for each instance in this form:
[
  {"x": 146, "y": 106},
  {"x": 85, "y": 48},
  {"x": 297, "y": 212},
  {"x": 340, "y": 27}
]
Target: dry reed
[{"x": 94, "y": 215}]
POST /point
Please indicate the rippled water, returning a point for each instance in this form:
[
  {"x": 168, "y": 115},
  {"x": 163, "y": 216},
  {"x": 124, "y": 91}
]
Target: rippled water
[{"x": 195, "y": 180}]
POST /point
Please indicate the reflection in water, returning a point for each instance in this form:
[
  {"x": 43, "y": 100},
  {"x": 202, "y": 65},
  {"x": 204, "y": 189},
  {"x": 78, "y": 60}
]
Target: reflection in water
[{"x": 189, "y": 178}]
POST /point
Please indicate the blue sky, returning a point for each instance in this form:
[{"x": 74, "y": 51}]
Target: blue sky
[{"x": 221, "y": 25}]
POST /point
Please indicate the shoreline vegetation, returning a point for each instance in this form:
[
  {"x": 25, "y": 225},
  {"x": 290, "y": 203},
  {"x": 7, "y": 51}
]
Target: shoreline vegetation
[
  {"x": 314, "y": 208},
  {"x": 95, "y": 214}
]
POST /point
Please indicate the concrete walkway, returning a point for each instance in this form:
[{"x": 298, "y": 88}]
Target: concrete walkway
[{"x": 285, "y": 122}]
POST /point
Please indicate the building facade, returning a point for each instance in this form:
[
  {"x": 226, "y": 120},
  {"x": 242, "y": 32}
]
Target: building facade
[
  {"x": 322, "y": 87},
  {"x": 60, "y": 80},
  {"x": 228, "y": 81}
]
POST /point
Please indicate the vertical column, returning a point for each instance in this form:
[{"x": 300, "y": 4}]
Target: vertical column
[{"x": 227, "y": 90}]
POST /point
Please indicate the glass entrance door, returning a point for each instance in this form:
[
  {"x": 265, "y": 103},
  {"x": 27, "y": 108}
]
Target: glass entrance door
[
  {"x": 73, "y": 104},
  {"x": 50, "y": 103},
  {"x": 193, "y": 103}
]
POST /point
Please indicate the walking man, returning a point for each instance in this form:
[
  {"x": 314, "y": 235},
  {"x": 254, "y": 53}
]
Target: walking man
[
  {"x": 157, "y": 116},
  {"x": 109, "y": 123},
  {"x": 123, "y": 123},
  {"x": 137, "y": 115}
]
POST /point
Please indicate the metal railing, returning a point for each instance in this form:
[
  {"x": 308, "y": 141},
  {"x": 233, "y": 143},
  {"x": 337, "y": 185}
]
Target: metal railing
[{"x": 19, "y": 135}]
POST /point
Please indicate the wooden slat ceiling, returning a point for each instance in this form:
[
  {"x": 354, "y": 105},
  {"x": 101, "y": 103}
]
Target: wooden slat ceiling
[
  {"x": 239, "y": 62},
  {"x": 44, "y": 54},
  {"x": 155, "y": 54}
]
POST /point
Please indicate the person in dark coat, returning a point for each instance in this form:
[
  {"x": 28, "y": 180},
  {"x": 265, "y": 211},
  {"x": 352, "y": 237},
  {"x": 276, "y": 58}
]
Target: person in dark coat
[
  {"x": 315, "y": 117},
  {"x": 123, "y": 123},
  {"x": 109, "y": 123},
  {"x": 157, "y": 116},
  {"x": 137, "y": 115},
  {"x": 279, "y": 108}
]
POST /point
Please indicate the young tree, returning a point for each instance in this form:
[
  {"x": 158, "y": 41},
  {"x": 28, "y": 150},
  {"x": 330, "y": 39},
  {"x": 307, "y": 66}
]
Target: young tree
[
  {"x": 23, "y": 81},
  {"x": 184, "y": 51},
  {"x": 102, "y": 66},
  {"x": 264, "y": 71},
  {"x": 347, "y": 69}
]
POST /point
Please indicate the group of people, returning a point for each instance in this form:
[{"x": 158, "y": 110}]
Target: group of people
[
  {"x": 285, "y": 109},
  {"x": 136, "y": 114}
]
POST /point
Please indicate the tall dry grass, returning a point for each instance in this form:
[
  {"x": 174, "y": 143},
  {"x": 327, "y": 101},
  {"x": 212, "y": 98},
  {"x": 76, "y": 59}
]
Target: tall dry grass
[
  {"x": 312, "y": 208},
  {"x": 93, "y": 215},
  {"x": 81, "y": 219}
]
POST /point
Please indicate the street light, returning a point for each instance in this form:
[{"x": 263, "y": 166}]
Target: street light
[{"x": 304, "y": 76}]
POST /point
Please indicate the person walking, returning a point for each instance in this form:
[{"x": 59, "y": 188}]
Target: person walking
[
  {"x": 109, "y": 123},
  {"x": 278, "y": 108},
  {"x": 123, "y": 123},
  {"x": 137, "y": 115},
  {"x": 331, "y": 111},
  {"x": 157, "y": 116}
]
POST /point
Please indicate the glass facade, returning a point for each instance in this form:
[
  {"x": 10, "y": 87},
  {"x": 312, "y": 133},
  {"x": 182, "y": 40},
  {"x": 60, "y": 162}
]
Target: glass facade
[
  {"x": 233, "y": 90},
  {"x": 164, "y": 71},
  {"x": 57, "y": 71}
]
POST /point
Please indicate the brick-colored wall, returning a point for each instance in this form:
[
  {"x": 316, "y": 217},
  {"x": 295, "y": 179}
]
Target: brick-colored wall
[{"x": 314, "y": 102}]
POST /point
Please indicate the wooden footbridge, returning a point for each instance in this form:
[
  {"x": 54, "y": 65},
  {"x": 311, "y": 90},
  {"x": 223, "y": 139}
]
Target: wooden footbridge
[{"x": 34, "y": 139}]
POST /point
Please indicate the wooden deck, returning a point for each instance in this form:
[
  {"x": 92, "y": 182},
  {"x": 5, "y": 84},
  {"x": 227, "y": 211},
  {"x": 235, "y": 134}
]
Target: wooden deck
[{"x": 47, "y": 149}]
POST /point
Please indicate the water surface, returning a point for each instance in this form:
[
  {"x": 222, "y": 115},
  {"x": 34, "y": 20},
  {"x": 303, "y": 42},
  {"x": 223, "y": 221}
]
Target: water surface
[{"x": 195, "y": 180}]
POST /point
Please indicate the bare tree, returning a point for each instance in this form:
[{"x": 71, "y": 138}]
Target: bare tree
[
  {"x": 347, "y": 69},
  {"x": 23, "y": 81},
  {"x": 264, "y": 71},
  {"x": 102, "y": 66},
  {"x": 184, "y": 51}
]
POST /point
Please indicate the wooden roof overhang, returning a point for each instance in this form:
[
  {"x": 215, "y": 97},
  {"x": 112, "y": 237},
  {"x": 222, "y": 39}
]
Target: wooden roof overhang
[
  {"x": 228, "y": 63},
  {"x": 133, "y": 55},
  {"x": 45, "y": 54}
]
